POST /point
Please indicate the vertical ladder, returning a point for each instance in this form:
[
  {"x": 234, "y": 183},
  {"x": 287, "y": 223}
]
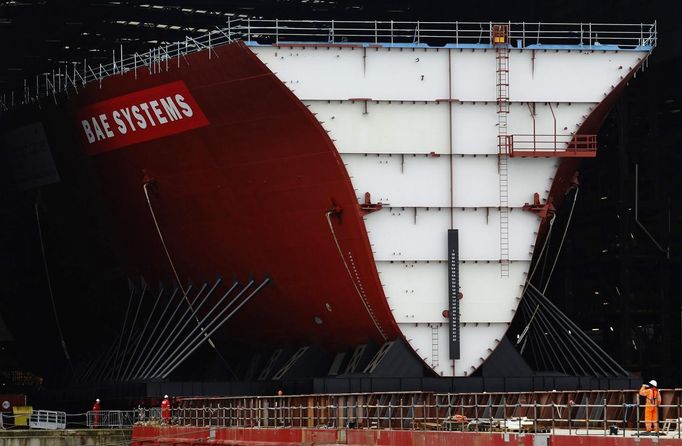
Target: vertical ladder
[
  {"x": 435, "y": 360},
  {"x": 500, "y": 34}
]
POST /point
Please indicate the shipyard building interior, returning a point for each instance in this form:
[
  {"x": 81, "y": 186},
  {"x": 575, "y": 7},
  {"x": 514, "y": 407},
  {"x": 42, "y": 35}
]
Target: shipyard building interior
[{"x": 611, "y": 268}]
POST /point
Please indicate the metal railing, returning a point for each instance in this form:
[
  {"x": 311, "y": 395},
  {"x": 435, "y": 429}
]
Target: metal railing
[
  {"x": 584, "y": 413},
  {"x": 47, "y": 419},
  {"x": 521, "y": 34},
  {"x": 117, "y": 418},
  {"x": 550, "y": 145},
  {"x": 70, "y": 76}
]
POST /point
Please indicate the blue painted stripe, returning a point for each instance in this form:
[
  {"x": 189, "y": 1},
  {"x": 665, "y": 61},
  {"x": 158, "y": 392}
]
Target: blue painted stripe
[{"x": 538, "y": 46}]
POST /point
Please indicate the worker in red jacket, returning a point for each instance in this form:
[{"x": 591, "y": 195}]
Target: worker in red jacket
[
  {"x": 165, "y": 410},
  {"x": 653, "y": 400},
  {"x": 95, "y": 413}
]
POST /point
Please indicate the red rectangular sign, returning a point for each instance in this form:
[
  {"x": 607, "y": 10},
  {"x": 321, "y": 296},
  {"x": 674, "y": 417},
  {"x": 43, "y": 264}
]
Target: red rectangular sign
[{"x": 140, "y": 116}]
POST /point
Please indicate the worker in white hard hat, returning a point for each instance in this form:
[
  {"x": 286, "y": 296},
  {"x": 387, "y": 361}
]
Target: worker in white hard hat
[
  {"x": 165, "y": 410},
  {"x": 653, "y": 400},
  {"x": 95, "y": 413}
]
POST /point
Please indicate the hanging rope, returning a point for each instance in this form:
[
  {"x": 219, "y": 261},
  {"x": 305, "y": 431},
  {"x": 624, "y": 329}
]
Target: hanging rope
[
  {"x": 542, "y": 252},
  {"x": 177, "y": 276},
  {"x": 49, "y": 288},
  {"x": 163, "y": 243},
  {"x": 563, "y": 237}
]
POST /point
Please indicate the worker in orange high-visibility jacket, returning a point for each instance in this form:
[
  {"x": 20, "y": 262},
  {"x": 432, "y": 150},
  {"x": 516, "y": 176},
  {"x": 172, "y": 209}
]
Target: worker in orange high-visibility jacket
[
  {"x": 653, "y": 400},
  {"x": 95, "y": 413},
  {"x": 165, "y": 410}
]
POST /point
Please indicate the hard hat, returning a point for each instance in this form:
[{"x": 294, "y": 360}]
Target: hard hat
[
  {"x": 97, "y": 400},
  {"x": 653, "y": 383},
  {"x": 165, "y": 396}
]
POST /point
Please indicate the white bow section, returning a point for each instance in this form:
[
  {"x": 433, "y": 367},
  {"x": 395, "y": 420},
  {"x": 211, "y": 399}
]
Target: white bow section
[{"x": 405, "y": 121}]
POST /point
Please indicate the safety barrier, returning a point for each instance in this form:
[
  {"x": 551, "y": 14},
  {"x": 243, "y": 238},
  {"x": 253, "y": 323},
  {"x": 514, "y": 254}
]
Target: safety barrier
[
  {"x": 585, "y": 413},
  {"x": 47, "y": 419},
  {"x": 550, "y": 145},
  {"x": 566, "y": 412},
  {"x": 72, "y": 75},
  {"x": 520, "y": 34},
  {"x": 114, "y": 418}
]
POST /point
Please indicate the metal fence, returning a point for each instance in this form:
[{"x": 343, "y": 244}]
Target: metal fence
[
  {"x": 568, "y": 412},
  {"x": 47, "y": 419},
  {"x": 585, "y": 413},
  {"x": 70, "y": 76},
  {"x": 549, "y": 144},
  {"x": 521, "y": 34},
  {"x": 116, "y": 418}
]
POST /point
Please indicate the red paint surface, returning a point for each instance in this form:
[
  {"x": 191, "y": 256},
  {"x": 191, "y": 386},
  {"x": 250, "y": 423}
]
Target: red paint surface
[
  {"x": 147, "y": 436},
  {"x": 11, "y": 400},
  {"x": 244, "y": 197},
  {"x": 137, "y": 117}
]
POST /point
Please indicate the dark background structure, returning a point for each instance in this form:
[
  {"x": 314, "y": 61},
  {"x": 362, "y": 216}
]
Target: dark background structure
[{"x": 620, "y": 285}]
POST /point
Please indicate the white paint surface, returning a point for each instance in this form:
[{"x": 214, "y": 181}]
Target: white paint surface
[
  {"x": 395, "y": 235},
  {"x": 443, "y": 102}
]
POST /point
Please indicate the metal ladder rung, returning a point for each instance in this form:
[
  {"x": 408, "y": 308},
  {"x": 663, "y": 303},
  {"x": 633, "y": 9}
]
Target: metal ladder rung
[
  {"x": 434, "y": 346},
  {"x": 503, "y": 108}
]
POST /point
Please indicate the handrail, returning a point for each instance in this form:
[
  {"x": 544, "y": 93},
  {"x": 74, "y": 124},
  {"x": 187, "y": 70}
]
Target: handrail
[
  {"x": 118, "y": 418},
  {"x": 532, "y": 35},
  {"x": 47, "y": 419},
  {"x": 550, "y": 144},
  {"x": 593, "y": 413}
]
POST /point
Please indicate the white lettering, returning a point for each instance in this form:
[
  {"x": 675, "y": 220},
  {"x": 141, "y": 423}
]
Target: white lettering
[
  {"x": 145, "y": 107},
  {"x": 88, "y": 131},
  {"x": 119, "y": 122},
  {"x": 170, "y": 109},
  {"x": 186, "y": 109},
  {"x": 98, "y": 131},
  {"x": 105, "y": 125},
  {"x": 142, "y": 115},
  {"x": 140, "y": 119},
  {"x": 159, "y": 116},
  {"x": 126, "y": 114}
]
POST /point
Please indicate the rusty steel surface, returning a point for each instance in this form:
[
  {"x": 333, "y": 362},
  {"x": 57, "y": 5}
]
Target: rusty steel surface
[{"x": 569, "y": 411}]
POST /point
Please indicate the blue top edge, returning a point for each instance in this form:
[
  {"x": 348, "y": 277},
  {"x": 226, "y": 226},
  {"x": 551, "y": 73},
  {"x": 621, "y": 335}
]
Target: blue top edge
[{"x": 537, "y": 46}]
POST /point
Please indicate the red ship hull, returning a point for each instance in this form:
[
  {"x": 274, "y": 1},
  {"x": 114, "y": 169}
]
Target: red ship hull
[{"x": 245, "y": 196}]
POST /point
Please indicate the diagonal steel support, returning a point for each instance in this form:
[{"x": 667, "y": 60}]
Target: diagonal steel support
[
  {"x": 189, "y": 350},
  {"x": 153, "y": 331},
  {"x": 187, "y": 318},
  {"x": 125, "y": 319},
  {"x": 201, "y": 325},
  {"x": 142, "y": 333},
  {"x": 132, "y": 328},
  {"x": 166, "y": 338},
  {"x": 590, "y": 348},
  {"x": 162, "y": 333}
]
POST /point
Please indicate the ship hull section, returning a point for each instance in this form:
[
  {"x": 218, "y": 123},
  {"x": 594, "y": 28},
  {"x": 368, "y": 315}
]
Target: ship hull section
[
  {"x": 418, "y": 130},
  {"x": 247, "y": 195}
]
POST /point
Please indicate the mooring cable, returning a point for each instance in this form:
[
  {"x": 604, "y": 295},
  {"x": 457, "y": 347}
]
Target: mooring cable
[
  {"x": 49, "y": 288},
  {"x": 175, "y": 272},
  {"x": 563, "y": 237}
]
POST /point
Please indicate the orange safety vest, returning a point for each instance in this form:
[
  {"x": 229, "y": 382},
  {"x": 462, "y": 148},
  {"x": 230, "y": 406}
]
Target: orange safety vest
[{"x": 653, "y": 396}]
